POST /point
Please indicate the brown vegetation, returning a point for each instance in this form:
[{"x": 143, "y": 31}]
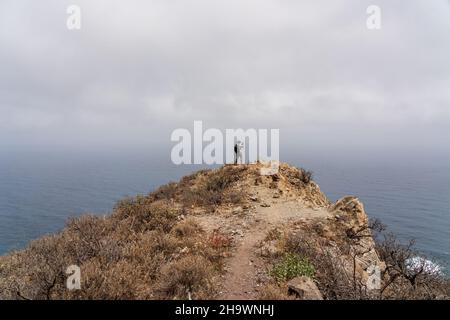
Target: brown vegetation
[
  {"x": 147, "y": 248},
  {"x": 336, "y": 268},
  {"x": 154, "y": 246},
  {"x": 130, "y": 255}
]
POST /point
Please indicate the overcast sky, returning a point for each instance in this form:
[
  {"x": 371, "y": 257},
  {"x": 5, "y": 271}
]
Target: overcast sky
[{"x": 139, "y": 69}]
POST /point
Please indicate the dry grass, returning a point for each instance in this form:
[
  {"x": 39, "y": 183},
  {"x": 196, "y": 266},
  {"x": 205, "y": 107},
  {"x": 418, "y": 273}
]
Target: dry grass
[
  {"x": 297, "y": 177},
  {"x": 188, "y": 277},
  {"x": 143, "y": 250},
  {"x": 333, "y": 269},
  {"x": 214, "y": 187}
]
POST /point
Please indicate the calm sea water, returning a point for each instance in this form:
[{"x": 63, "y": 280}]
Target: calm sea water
[{"x": 39, "y": 192}]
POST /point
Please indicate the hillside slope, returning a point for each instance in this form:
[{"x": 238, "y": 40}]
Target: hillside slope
[{"x": 228, "y": 233}]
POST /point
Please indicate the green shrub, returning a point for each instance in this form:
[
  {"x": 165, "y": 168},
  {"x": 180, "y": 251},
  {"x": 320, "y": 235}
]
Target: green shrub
[{"x": 292, "y": 266}]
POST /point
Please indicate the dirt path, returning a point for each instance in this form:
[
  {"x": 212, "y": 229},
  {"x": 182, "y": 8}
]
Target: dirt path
[{"x": 245, "y": 268}]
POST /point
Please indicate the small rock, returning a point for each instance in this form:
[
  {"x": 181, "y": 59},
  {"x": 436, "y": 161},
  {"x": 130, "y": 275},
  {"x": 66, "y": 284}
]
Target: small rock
[
  {"x": 269, "y": 250},
  {"x": 237, "y": 210},
  {"x": 265, "y": 205},
  {"x": 184, "y": 250},
  {"x": 254, "y": 198}
]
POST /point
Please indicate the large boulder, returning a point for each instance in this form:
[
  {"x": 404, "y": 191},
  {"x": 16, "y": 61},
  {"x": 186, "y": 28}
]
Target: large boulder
[{"x": 304, "y": 288}]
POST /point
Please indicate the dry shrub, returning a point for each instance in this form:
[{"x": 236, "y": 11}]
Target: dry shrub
[
  {"x": 122, "y": 280},
  {"x": 306, "y": 176},
  {"x": 189, "y": 276},
  {"x": 10, "y": 272},
  {"x": 86, "y": 233},
  {"x": 235, "y": 197},
  {"x": 138, "y": 264},
  {"x": 187, "y": 228},
  {"x": 223, "y": 178},
  {"x": 215, "y": 188},
  {"x": 218, "y": 240},
  {"x": 403, "y": 282},
  {"x": 334, "y": 264},
  {"x": 145, "y": 246},
  {"x": 121, "y": 257},
  {"x": 164, "y": 192},
  {"x": 333, "y": 279},
  {"x": 297, "y": 177},
  {"x": 199, "y": 196},
  {"x": 142, "y": 215},
  {"x": 38, "y": 271},
  {"x": 273, "y": 234},
  {"x": 163, "y": 243},
  {"x": 141, "y": 251},
  {"x": 188, "y": 181}
]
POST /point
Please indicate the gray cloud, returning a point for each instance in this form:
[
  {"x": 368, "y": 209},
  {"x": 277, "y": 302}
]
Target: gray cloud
[{"x": 139, "y": 69}]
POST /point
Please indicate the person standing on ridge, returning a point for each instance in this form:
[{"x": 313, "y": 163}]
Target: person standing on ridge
[{"x": 238, "y": 152}]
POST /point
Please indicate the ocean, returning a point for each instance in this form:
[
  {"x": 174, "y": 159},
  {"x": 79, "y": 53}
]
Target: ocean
[{"x": 38, "y": 192}]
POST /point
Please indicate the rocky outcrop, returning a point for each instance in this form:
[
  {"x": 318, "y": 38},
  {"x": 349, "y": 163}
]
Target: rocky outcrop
[
  {"x": 352, "y": 212},
  {"x": 351, "y": 218}
]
